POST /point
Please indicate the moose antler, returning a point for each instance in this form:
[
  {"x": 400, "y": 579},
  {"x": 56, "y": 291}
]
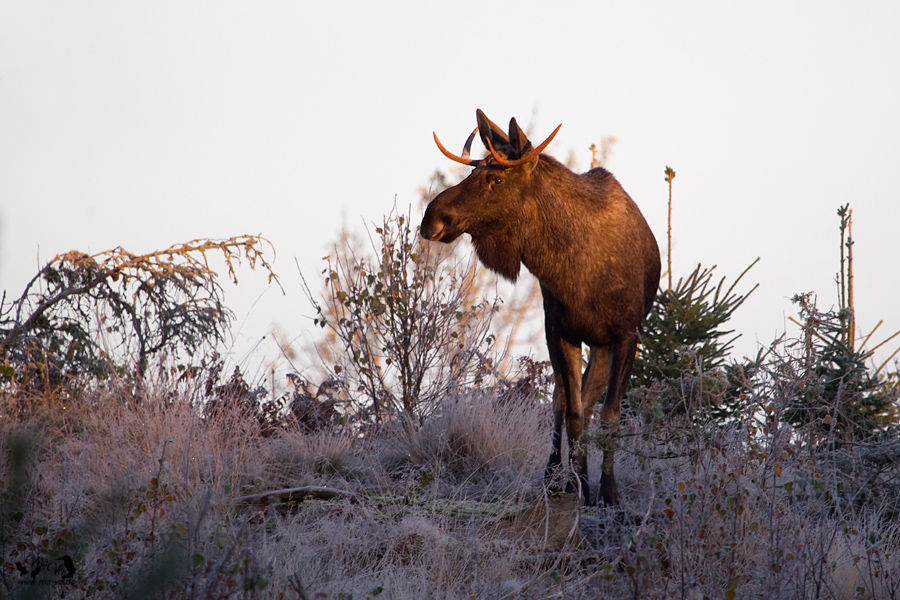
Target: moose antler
[
  {"x": 512, "y": 163},
  {"x": 467, "y": 147}
]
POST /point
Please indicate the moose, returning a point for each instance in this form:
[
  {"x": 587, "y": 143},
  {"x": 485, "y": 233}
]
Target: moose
[{"x": 596, "y": 259}]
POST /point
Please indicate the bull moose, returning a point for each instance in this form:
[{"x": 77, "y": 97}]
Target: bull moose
[{"x": 597, "y": 262}]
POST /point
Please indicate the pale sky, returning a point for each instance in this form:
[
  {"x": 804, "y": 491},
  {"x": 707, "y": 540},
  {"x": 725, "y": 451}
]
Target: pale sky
[{"x": 147, "y": 124}]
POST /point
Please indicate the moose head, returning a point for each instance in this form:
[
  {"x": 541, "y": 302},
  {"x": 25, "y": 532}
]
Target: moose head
[{"x": 489, "y": 202}]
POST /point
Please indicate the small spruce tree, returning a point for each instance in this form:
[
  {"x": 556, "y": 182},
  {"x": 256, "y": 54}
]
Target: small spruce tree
[
  {"x": 685, "y": 334},
  {"x": 843, "y": 399}
]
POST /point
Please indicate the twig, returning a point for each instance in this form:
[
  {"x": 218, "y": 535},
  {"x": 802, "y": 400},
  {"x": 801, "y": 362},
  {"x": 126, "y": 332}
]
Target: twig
[
  {"x": 670, "y": 175},
  {"x": 852, "y": 327}
]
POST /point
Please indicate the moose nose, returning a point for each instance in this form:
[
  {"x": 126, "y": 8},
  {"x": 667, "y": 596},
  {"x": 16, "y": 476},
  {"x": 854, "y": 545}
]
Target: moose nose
[{"x": 432, "y": 231}]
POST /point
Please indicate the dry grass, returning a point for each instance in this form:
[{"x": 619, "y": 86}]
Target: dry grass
[{"x": 141, "y": 497}]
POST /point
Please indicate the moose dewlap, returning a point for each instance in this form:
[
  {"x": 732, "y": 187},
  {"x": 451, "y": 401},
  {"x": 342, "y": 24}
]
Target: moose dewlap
[{"x": 593, "y": 253}]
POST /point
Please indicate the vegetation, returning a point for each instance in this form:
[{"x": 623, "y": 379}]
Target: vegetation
[
  {"x": 409, "y": 326},
  {"x": 452, "y": 509},
  {"x": 413, "y": 467},
  {"x": 92, "y": 317}
]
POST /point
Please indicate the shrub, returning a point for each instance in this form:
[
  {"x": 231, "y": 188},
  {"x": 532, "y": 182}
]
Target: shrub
[{"x": 406, "y": 328}]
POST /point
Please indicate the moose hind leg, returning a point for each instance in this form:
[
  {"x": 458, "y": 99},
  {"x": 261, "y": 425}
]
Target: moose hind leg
[
  {"x": 577, "y": 459},
  {"x": 577, "y": 417},
  {"x": 621, "y": 360},
  {"x": 593, "y": 384}
]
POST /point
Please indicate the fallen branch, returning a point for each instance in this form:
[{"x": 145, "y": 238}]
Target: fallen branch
[{"x": 297, "y": 495}]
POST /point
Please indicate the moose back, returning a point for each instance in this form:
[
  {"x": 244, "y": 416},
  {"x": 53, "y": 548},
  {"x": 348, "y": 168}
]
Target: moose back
[{"x": 594, "y": 255}]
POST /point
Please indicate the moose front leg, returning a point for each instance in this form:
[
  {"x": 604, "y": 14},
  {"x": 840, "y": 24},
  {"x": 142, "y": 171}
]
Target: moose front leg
[
  {"x": 559, "y": 416},
  {"x": 567, "y": 409},
  {"x": 621, "y": 360}
]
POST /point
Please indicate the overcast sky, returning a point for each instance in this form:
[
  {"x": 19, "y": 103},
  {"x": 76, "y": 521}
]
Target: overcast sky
[{"x": 146, "y": 124}]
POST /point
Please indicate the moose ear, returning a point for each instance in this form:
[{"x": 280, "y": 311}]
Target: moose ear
[
  {"x": 517, "y": 139},
  {"x": 489, "y": 130}
]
